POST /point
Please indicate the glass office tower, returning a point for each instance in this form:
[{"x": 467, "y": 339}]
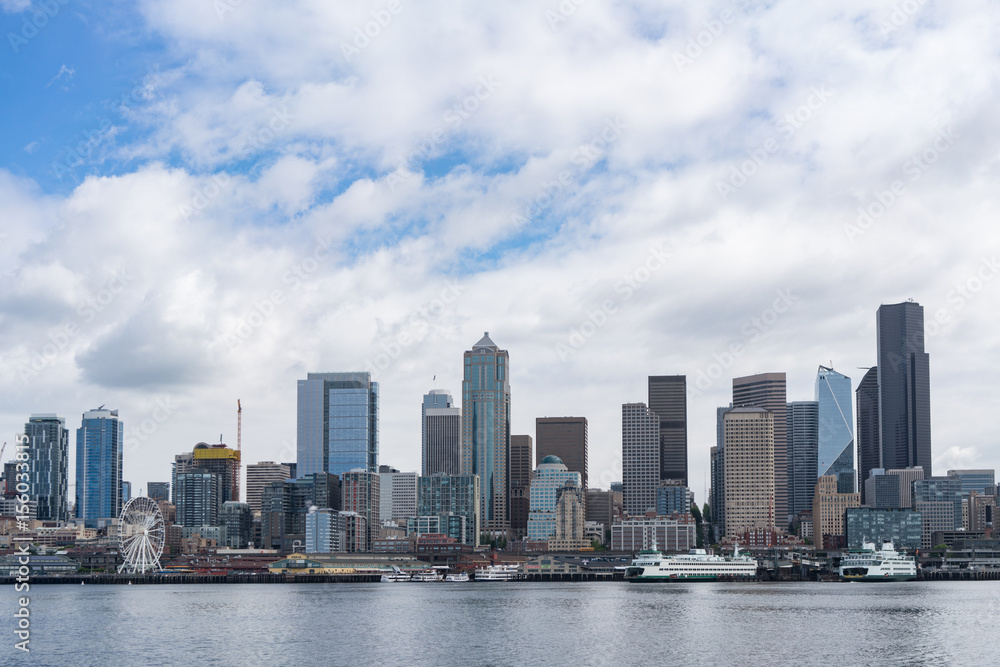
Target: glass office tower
[
  {"x": 337, "y": 423},
  {"x": 99, "y": 467}
]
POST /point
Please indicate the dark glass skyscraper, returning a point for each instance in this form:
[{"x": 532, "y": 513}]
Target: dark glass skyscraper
[
  {"x": 668, "y": 400},
  {"x": 802, "y": 421},
  {"x": 48, "y": 465},
  {"x": 99, "y": 467},
  {"x": 337, "y": 423},
  {"x": 486, "y": 429},
  {"x": 869, "y": 451},
  {"x": 441, "y": 433},
  {"x": 904, "y": 387},
  {"x": 565, "y": 437}
]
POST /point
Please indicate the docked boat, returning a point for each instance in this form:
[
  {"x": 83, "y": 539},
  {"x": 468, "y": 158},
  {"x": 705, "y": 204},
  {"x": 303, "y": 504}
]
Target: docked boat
[
  {"x": 426, "y": 575},
  {"x": 696, "y": 565},
  {"x": 396, "y": 575},
  {"x": 497, "y": 572},
  {"x": 457, "y": 577},
  {"x": 885, "y": 564}
]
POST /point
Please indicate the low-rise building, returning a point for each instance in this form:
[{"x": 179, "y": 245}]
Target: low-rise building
[
  {"x": 675, "y": 534},
  {"x": 902, "y": 527}
]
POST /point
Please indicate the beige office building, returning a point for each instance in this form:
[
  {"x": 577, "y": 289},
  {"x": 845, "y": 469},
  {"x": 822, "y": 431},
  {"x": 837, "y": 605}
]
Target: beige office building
[
  {"x": 749, "y": 469},
  {"x": 828, "y": 512}
]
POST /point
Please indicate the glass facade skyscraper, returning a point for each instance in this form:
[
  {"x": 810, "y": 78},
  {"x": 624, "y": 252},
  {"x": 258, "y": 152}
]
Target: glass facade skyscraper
[
  {"x": 99, "y": 467},
  {"x": 869, "y": 449},
  {"x": 445, "y": 496},
  {"x": 835, "y": 450},
  {"x": 904, "y": 387},
  {"x": 337, "y": 428},
  {"x": 802, "y": 421},
  {"x": 668, "y": 400},
  {"x": 486, "y": 429},
  {"x": 48, "y": 465}
]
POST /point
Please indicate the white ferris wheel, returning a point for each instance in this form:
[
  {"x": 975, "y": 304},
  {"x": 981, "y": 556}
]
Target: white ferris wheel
[{"x": 141, "y": 535}]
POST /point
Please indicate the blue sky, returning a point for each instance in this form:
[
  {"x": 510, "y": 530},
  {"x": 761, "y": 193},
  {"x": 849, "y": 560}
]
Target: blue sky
[{"x": 265, "y": 206}]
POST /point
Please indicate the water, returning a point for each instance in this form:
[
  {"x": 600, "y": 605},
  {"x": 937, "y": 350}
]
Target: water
[{"x": 919, "y": 623}]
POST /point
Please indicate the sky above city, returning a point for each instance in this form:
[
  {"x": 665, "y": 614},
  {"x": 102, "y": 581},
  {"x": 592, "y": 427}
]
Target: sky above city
[{"x": 205, "y": 201}]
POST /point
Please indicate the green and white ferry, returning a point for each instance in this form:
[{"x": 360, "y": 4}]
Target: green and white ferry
[
  {"x": 886, "y": 564},
  {"x": 696, "y": 565}
]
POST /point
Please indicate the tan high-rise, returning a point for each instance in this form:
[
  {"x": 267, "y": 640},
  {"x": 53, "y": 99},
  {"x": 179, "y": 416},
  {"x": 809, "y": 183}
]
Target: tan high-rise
[
  {"x": 828, "y": 510},
  {"x": 749, "y": 469},
  {"x": 767, "y": 390}
]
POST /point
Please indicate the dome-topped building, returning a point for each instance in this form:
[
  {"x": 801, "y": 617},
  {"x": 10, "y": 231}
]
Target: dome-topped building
[{"x": 552, "y": 459}]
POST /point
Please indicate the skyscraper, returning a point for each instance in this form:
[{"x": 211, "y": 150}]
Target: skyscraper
[
  {"x": 99, "y": 467},
  {"x": 362, "y": 494},
  {"x": 565, "y": 437},
  {"x": 158, "y": 491},
  {"x": 440, "y": 434},
  {"x": 904, "y": 387},
  {"x": 802, "y": 431},
  {"x": 337, "y": 423},
  {"x": 668, "y": 400},
  {"x": 446, "y": 496},
  {"x": 767, "y": 390},
  {"x": 259, "y": 476},
  {"x": 550, "y": 476},
  {"x": 199, "y": 498},
  {"x": 398, "y": 496},
  {"x": 750, "y": 469},
  {"x": 48, "y": 465},
  {"x": 836, "y": 424},
  {"x": 520, "y": 464},
  {"x": 486, "y": 429},
  {"x": 640, "y": 457},
  {"x": 869, "y": 448}
]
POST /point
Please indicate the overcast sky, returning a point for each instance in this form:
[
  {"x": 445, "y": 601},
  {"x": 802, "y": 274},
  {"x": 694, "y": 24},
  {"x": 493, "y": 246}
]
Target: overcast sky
[{"x": 204, "y": 201}]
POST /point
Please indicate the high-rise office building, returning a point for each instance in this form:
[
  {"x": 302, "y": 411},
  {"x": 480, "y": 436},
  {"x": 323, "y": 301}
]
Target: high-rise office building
[
  {"x": 802, "y": 431},
  {"x": 570, "y": 519},
  {"x": 99, "y": 467},
  {"x": 906, "y": 478},
  {"x": 126, "y": 492},
  {"x": 158, "y": 491},
  {"x": 565, "y": 437},
  {"x": 981, "y": 480},
  {"x": 260, "y": 476},
  {"x": 362, "y": 494},
  {"x": 882, "y": 490},
  {"x": 939, "y": 501},
  {"x": 767, "y": 390},
  {"x": 750, "y": 469},
  {"x": 640, "y": 457},
  {"x": 284, "y": 506},
  {"x": 869, "y": 449},
  {"x": 238, "y": 521},
  {"x": 904, "y": 387},
  {"x": 198, "y": 496},
  {"x": 835, "y": 438},
  {"x": 829, "y": 506},
  {"x": 446, "y": 496},
  {"x": 217, "y": 459},
  {"x": 668, "y": 400},
  {"x": 337, "y": 427},
  {"x": 486, "y": 429},
  {"x": 550, "y": 476},
  {"x": 398, "y": 495},
  {"x": 717, "y": 498},
  {"x": 48, "y": 465},
  {"x": 521, "y": 464},
  {"x": 440, "y": 434}
]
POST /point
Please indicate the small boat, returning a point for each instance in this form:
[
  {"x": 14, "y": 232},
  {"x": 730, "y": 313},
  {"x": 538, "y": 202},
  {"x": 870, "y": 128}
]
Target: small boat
[
  {"x": 395, "y": 576},
  {"x": 425, "y": 575},
  {"x": 497, "y": 572},
  {"x": 458, "y": 577}
]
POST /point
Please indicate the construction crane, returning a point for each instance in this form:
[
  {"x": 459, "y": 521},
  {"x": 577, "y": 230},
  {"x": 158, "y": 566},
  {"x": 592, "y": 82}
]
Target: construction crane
[
  {"x": 239, "y": 426},
  {"x": 1, "y": 451}
]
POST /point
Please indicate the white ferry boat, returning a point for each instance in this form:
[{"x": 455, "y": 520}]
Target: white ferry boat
[
  {"x": 697, "y": 565},
  {"x": 426, "y": 575},
  {"x": 457, "y": 577},
  {"x": 395, "y": 576},
  {"x": 886, "y": 564},
  {"x": 496, "y": 572}
]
